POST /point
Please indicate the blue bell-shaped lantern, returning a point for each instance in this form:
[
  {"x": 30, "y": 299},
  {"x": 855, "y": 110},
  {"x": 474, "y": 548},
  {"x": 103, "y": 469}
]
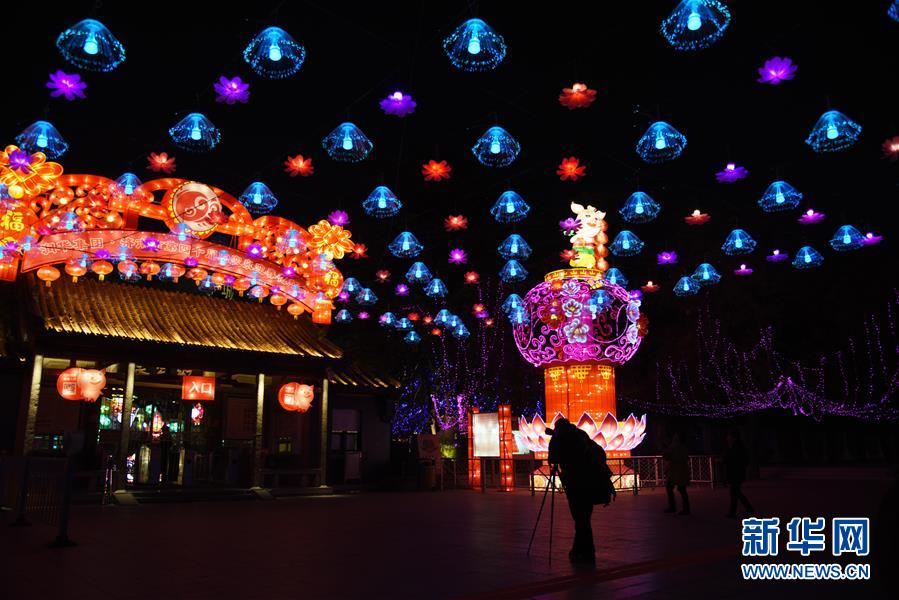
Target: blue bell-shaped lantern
[
  {"x": 513, "y": 302},
  {"x": 436, "y": 289},
  {"x": 518, "y": 316},
  {"x": 705, "y": 274},
  {"x": 405, "y": 245},
  {"x": 258, "y": 199},
  {"x": 412, "y": 338},
  {"x": 89, "y": 45},
  {"x": 738, "y": 242},
  {"x": 388, "y": 319},
  {"x": 695, "y": 24},
  {"x": 510, "y": 208},
  {"x": 598, "y": 301},
  {"x": 195, "y": 133},
  {"x": 127, "y": 184},
  {"x": 418, "y": 273},
  {"x": 474, "y": 46},
  {"x": 351, "y": 285},
  {"x": 893, "y": 10},
  {"x": 661, "y": 143},
  {"x": 512, "y": 271},
  {"x": 615, "y": 277},
  {"x": 833, "y": 132},
  {"x": 347, "y": 143},
  {"x": 453, "y": 321},
  {"x": 403, "y": 324},
  {"x": 847, "y": 237},
  {"x": 274, "y": 54},
  {"x": 686, "y": 286},
  {"x": 460, "y": 332},
  {"x": 443, "y": 316},
  {"x": 779, "y": 196},
  {"x": 514, "y": 247},
  {"x": 343, "y": 316},
  {"x": 807, "y": 258},
  {"x": 626, "y": 244},
  {"x": 42, "y": 136},
  {"x": 639, "y": 208},
  {"x": 366, "y": 297},
  {"x": 381, "y": 203},
  {"x": 496, "y": 148}
]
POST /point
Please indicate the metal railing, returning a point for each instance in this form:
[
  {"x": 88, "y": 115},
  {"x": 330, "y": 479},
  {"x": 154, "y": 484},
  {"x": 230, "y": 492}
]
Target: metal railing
[{"x": 38, "y": 489}]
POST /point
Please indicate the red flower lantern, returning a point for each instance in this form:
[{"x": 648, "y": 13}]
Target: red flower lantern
[
  {"x": 436, "y": 171},
  {"x": 198, "y": 274},
  {"x": 161, "y": 162},
  {"x": 48, "y": 274},
  {"x": 382, "y": 276},
  {"x": 472, "y": 277},
  {"x": 891, "y": 148},
  {"x": 650, "y": 287},
  {"x": 577, "y": 96},
  {"x": 570, "y": 169},
  {"x": 455, "y": 223},
  {"x": 296, "y": 396},
  {"x": 697, "y": 217},
  {"x": 297, "y": 165}
]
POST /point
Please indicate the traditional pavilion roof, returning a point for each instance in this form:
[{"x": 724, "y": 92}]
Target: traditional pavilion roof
[
  {"x": 145, "y": 313},
  {"x": 353, "y": 375}
]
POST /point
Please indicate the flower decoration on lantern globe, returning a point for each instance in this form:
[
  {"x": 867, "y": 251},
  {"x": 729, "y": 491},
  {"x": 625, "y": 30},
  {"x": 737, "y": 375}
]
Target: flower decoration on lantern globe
[
  {"x": 686, "y": 286},
  {"x": 697, "y": 217},
  {"x": 571, "y": 169},
  {"x": 455, "y": 223},
  {"x": 231, "y": 91},
  {"x": 639, "y": 208},
  {"x": 419, "y": 273},
  {"x": 891, "y": 148},
  {"x": 731, "y": 173},
  {"x": 513, "y": 271},
  {"x": 296, "y": 397},
  {"x": 67, "y": 85},
  {"x": 398, "y": 104},
  {"x": 298, "y": 165},
  {"x": 333, "y": 241},
  {"x": 474, "y": 47},
  {"x": 436, "y": 289},
  {"x": 577, "y": 96},
  {"x": 847, "y": 237},
  {"x": 42, "y": 136},
  {"x": 195, "y": 133},
  {"x": 347, "y": 143},
  {"x": 661, "y": 143},
  {"x": 510, "y": 208},
  {"x": 777, "y": 69},
  {"x": 91, "y": 46},
  {"x": 405, "y": 245},
  {"x": 258, "y": 198},
  {"x": 807, "y": 258},
  {"x": 274, "y": 54},
  {"x": 515, "y": 247},
  {"x": 436, "y": 171},
  {"x": 780, "y": 196},
  {"x": 381, "y": 203},
  {"x": 496, "y": 148},
  {"x": 626, "y": 243},
  {"x": 705, "y": 274},
  {"x": 738, "y": 242},
  {"x": 695, "y": 24},
  {"x": 616, "y": 438},
  {"x": 161, "y": 163},
  {"x": 833, "y": 132}
]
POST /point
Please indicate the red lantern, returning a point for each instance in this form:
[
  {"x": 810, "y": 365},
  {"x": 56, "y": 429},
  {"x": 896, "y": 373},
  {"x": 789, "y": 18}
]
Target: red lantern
[
  {"x": 278, "y": 300},
  {"x": 296, "y": 396},
  {"x": 296, "y": 309},
  {"x": 48, "y": 274},
  {"x": 75, "y": 268},
  {"x": 149, "y": 268}
]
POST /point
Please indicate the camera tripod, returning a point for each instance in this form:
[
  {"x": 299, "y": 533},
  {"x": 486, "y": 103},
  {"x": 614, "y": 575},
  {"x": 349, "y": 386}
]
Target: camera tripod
[{"x": 550, "y": 483}]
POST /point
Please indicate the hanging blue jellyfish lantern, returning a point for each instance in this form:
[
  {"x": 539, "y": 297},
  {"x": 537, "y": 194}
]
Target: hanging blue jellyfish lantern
[
  {"x": 405, "y": 245},
  {"x": 695, "y": 24},
  {"x": 513, "y": 302},
  {"x": 598, "y": 301},
  {"x": 685, "y": 286},
  {"x": 443, "y": 317},
  {"x": 419, "y": 273},
  {"x": 381, "y": 203},
  {"x": 779, "y": 196},
  {"x": 833, "y": 132},
  {"x": 496, "y": 148},
  {"x": 847, "y": 237},
  {"x": 661, "y": 143},
  {"x": 514, "y": 247},
  {"x": 195, "y": 133},
  {"x": 412, "y": 338},
  {"x": 626, "y": 244},
  {"x": 274, "y": 54},
  {"x": 343, "y": 316},
  {"x": 403, "y": 324},
  {"x": 42, "y": 136},
  {"x": 347, "y": 143},
  {"x": 518, "y": 316},
  {"x": 738, "y": 242},
  {"x": 512, "y": 271},
  {"x": 510, "y": 208},
  {"x": 436, "y": 289},
  {"x": 474, "y": 47},
  {"x": 351, "y": 285},
  {"x": 705, "y": 274},
  {"x": 366, "y": 297},
  {"x": 807, "y": 258},
  {"x": 388, "y": 319},
  {"x": 89, "y": 45},
  {"x": 639, "y": 208},
  {"x": 258, "y": 199},
  {"x": 615, "y": 277},
  {"x": 453, "y": 321},
  {"x": 460, "y": 332},
  {"x": 127, "y": 184},
  {"x": 893, "y": 10}
]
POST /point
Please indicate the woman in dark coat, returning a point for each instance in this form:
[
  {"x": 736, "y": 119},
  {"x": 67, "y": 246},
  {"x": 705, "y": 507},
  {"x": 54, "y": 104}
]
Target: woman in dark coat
[{"x": 735, "y": 462}]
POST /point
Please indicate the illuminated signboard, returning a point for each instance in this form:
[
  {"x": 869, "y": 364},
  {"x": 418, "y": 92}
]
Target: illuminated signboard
[
  {"x": 197, "y": 388},
  {"x": 486, "y": 434}
]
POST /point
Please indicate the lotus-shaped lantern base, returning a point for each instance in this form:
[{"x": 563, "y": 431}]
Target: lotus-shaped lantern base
[{"x": 613, "y": 436}]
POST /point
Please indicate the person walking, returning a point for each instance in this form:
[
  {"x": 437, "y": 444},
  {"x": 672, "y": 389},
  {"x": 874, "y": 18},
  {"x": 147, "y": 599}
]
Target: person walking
[
  {"x": 736, "y": 460},
  {"x": 677, "y": 461}
]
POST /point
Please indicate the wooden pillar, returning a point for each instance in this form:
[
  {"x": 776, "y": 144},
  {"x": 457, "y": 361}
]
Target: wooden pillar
[
  {"x": 31, "y": 410},
  {"x": 474, "y": 464},
  {"x": 506, "y": 449},
  {"x": 325, "y": 436},
  {"x": 125, "y": 440},
  {"x": 258, "y": 439}
]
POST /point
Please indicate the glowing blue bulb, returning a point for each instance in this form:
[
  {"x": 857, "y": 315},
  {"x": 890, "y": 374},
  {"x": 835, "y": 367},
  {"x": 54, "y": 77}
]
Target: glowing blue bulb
[
  {"x": 418, "y": 273},
  {"x": 382, "y": 202},
  {"x": 738, "y": 243},
  {"x": 686, "y": 285},
  {"x": 90, "y": 44},
  {"x": 626, "y": 244},
  {"x": 274, "y": 52},
  {"x": 639, "y": 208},
  {"x": 406, "y": 244},
  {"x": 779, "y": 197},
  {"x": 347, "y": 142},
  {"x": 195, "y": 133},
  {"x": 832, "y": 132},
  {"x": 42, "y": 140},
  {"x": 847, "y": 239},
  {"x": 257, "y": 198},
  {"x": 474, "y": 44},
  {"x": 495, "y": 147},
  {"x": 694, "y": 21},
  {"x": 510, "y": 207},
  {"x": 512, "y": 271},
  {"x": 613, "y": 280},
  {"x": 129, "y": 189},
  {"x": 660, "y": 141},
  {"x": 807, "y": 258},
  {"x": 514, "y": 248},
  {"x": 705, "y": 275}
]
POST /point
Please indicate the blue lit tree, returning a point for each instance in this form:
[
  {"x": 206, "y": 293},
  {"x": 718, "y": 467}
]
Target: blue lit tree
[
  {"x": 91, "y": 46},
  {"x": 347, "y": 143},
  {"x": 639, "y": 208},
  {"x": 474, "y": 46},
  {"x": 510, "y": 208},
  {"x": 274, "y": 54},
  {"x": 381, "y": 203},
  {"x": 195, "y": 133},
  {"x": 833, "y": 132},
  {"x": 661, "y": 143},
  {"x": 779, "y": 196},
  {"x": 496, "y": 148},
  {"x": 42, "y": 136},
  {"x": 696, "y": 24}
]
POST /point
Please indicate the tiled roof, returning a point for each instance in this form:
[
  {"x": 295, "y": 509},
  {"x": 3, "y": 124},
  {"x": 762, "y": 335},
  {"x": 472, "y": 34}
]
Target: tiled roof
[
  {"x": 352, "y": 375},
  {"x": 145, "y": 313}
]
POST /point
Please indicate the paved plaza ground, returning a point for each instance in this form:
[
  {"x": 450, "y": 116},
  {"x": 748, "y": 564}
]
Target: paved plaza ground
[{"x": 459, "y": 544}]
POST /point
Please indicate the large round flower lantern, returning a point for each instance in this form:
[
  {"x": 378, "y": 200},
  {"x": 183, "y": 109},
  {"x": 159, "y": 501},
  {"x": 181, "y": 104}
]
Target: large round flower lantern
[{"x": 578, "y": 327}]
